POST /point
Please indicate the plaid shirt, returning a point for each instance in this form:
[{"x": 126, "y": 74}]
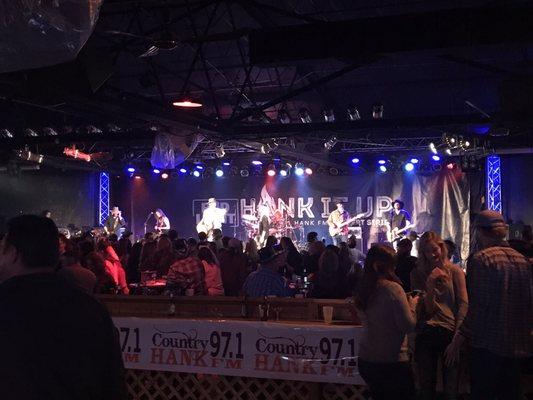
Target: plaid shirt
[
  {"x": 500, "y": 313},
  {"x": 189, "y": 274},
  {"x": 266, "y": 282}
]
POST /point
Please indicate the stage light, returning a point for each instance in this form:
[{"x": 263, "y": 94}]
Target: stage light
[
  {"x": 245, "y": 172},
  {"x": 183, "y": 170},
  {"x": 299, "y": 169},
  {"x": 377, "y": 111},
  {"x": 186, "y": 104},
  {"x": 131, "y": 170},
  {"x": 353, "y": 114},
  {"x": 414, "y": 160},
  {"x": 268, "y": 147},
  {"x": 450, "y": 165},
  {"x": 219, "y": 151},
  {"x": 308, "y": 171},
  {"x": 409, "y": 167},
  {"x": 355, "y": 160},
  {"x": 200, "y": 167},
  {"x": 333, "y": 171},
  {"x": 257, "y": 162},
  {"x": 138, "y": 177},
  {"x": 283, "y": 172},
  {"x": 329, "y": 115},
  {"x": 432, "y": 148},
  {"x": 284, "y": 117},
  {"x": 332, "y": 141},
  {"x": 383, "y": 168},
  {"x": 435, "y": 157},
  {"x": 219, "y": 173},
  {"x": 382, "y": 162},
  {"x": 271, "y": 170},
  {"x": 164, "y": 175},
  {"x": 304, "y": 116},
  {"x": 227, "y": 164},
  {"x": 285, "y": 169},
  {"x": 156, "y": 171},
  {"x": 196, "y": 174},
  {"x": 234, "y": 171}
]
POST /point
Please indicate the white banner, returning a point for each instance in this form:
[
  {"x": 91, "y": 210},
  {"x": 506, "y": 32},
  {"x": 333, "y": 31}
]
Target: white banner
[{"x": 292, "y": 351}]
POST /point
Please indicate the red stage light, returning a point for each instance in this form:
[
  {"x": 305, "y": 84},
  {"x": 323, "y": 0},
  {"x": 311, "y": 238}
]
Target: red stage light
[
  {"x": 138, "y": 177},
  {"x": 271, "y": 172},
  {"x": 75, "y": 153},
  {"x": 450, "y": 165},
  {"x": 308, "y": 171},
  {"x": 164, "y": 175},
  {"x": 186, "y": 104}
]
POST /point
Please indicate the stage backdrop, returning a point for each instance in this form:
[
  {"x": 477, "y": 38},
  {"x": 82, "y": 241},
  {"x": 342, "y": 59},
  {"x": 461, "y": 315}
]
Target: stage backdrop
[{"x": 438, "y": 202}]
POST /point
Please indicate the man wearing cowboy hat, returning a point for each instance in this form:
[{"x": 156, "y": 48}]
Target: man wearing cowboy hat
[
  {"x": 267, "y": 281},
  {"x": 115, "y": 223},
  {"x": 212, "y": 218}
]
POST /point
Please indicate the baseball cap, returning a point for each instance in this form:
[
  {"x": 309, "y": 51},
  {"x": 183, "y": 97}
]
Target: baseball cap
[{"x": 489, "y": 219}]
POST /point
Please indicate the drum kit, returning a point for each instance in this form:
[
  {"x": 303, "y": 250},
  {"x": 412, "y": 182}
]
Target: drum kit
[{"x": 280, "y": 225}]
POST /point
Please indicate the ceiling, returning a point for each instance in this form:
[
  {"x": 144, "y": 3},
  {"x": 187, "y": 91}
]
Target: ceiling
[{"x": 434, "y": 66}]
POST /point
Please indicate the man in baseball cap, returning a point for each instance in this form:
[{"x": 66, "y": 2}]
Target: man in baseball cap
[{"x": 497, "y": 327}]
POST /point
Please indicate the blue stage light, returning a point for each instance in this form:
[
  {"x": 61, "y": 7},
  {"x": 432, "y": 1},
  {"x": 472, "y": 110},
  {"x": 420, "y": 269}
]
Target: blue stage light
[
  {"x": 382, "y": 162},
  {"x": 219, "y": 173},
  {"x": 131, "y": 169},
  {"x": 257, "y": 162},
  {"x": 299, "y": 171},
  {"x": 409, "y": 167},
  {"x": 414, "y": 160},
  {"x": 227, "y": 164},
  {"x": 383, "y": 168},
  {"x": 200, "y": 167},
  {"x": 355, "y": 160},
  {"x": 183, "y": 170},
  {"x": 283, "y": 172},
  {"x": 435, "y": 157},
  {"x": 156, "y": 171},
  {"x": 196, "y": 174}
]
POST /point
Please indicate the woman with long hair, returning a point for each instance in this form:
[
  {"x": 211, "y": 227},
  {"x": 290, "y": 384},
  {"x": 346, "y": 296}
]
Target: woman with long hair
[
  {"x": 443, "y": 308},
  {"x": 387, "y": 315},
  {"x": 213, "y": 277},
  {"x": 162, "y": 223},
  {"x": 328, "y": 282},
  {"x": 294, "y": 258}
]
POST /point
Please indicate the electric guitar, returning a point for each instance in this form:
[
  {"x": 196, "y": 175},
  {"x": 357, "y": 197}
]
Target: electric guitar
[
  {"x": 342, "y": 228},
  {"x": 397, "y": 233}
]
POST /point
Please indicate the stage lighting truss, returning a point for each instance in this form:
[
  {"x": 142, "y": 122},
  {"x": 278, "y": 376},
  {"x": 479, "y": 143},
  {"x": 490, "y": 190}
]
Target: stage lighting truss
[
  {"x": 271, "y": 170},
  {"x": 330, "y": 144},
  {"x": 299, "y": 169},
  {"x": 377, "y": 111},
  {"x": 284, "y": 117},
  {"x": 353, "y": 114},
  {"x": 285, "y": 170},
  {"x": 305, "y": 116},
  {"x": 245, "y": 172},
  {"x": 329, "y": 115},
  {"x": 269, "y": 146},
  {"x": 219, "y": 151}
]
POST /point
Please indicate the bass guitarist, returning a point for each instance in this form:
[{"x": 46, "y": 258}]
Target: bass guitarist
[{"x": 399, "y": 222}]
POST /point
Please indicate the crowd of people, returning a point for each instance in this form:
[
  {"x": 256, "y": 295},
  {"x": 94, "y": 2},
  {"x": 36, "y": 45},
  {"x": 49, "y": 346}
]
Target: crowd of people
[{"x": 395, "y": 293}]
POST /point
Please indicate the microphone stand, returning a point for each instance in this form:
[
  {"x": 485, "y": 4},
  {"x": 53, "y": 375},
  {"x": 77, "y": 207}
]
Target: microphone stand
[{"x": 146, "y": 222}]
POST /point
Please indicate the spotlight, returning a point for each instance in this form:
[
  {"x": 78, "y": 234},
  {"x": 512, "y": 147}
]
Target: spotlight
[
  {"x": 219, "y": 151},
  {"x": 409, "y": 167},
  {"x": 450, "y": 165},
  {"x": 299, "y": 169},
  {"x": 283, "y": 172},
  {"x": 353, "y": 114},
  {"x": 285, "y": 169},
  {"x": 383, "y": 168},
  {"x": 257, "y": 162},
  {"x": 382, "y": 162},
  {"x": 131, "y": 170},
  {"x": 432, "y": 148},
  {"x": 219, "y": 173},
  {"x": 448, "y": 151},
  {"x": 333, "y": 171},
  {"x": 186, "y": 104},
  {"x": 355, "y": 160},
  {"x": 329, "y": 116},
  {"x": 435, "y": 157},
  {"x": 183, "y": 170},
  {"x": 200, "y": 167},
  {"x": 414, "y": 160},
  {"x": 332, "y": 141},
  {"x": 138, "y": 177},
  {"x": 308, "y": 171},
  {"x": 304, "y": 116},
  {"x": 268, "y": 147},
  {"x": 271, "y": 171},
  {"x": 227, "y": 164},
  {"x": 284, "y": 117},
  {"x": 377, "y": 111},
  {"x": 156, "y": 171},
  {"x": 164, "y": 175},
  {"x": 196, "y": 173},
  {"x": 245, "y": 172}
]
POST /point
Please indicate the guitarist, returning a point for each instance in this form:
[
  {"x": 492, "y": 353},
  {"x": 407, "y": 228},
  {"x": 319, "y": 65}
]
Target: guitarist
[
  {"x": 335, "y": 219},
  {"x": 398, "y": 223}
]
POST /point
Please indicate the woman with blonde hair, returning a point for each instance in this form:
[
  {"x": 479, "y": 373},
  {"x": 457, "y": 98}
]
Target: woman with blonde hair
[{"x": 441, "y": 313}]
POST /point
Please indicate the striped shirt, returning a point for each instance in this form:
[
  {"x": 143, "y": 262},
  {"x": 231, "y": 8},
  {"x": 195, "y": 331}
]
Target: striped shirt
[
  {"x": 500, "y": 313},
  {"x": 266, "y": 282}
]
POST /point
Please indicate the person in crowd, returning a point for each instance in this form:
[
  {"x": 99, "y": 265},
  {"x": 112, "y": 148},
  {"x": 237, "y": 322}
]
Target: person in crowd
[
  {"x": 266, "y": 281},
  {"x": 105, "y": 284},
  {"x": 225, "y": 242},
  {"x": 202, "y": 238},
  {"x": 164, "y": 256},
  {"x": 45, "y": 320},
  {"x": 271, "y": 241},
  {"x": 310, "y": 261},
  {"x": 451, "y": 248},
  {"x": 356, "y": 255},
  {"x": 72, "y": 271},
  {"x": 328, "y": 282},
  {"x": 113, "y": 239},
  {"x": 192, "y": 245},
  {"x": 233, "y": 267},
  {"x": 443, "y": 309},
  {"x": 217, "y": 238},
  {"x": 310, "y": 238},
  {"x": 387, "y": 315},
  {"x": 173, "y": 235},
  {"x": 345, "y": 260},
  {"x": 405, "y": 263},
  {"x": 187, "y": 272},
  {"x": 123, "y": 247},
  {"x": 497, "y": 327},
  {"x": 46, "y": 214},
  {"x": 149, "y": 247},
  {"x": 132, "y": 267},
  {"x": 213, "y": 277},
  {"x": 113, "y": 266},
  {"x": 414, "y": 238},
  {"x": 65, "y": 244},
  {"x": 294, "y": 258},
  {"x": 252, "y": 254}
]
